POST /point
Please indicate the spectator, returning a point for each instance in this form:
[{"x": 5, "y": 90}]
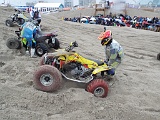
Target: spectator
[{"x": 35, "y": 15}]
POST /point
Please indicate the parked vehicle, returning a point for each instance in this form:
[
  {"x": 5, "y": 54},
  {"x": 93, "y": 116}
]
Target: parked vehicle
[
  {"x": 74, "y": 67},
  {"x": 18, "y": 18},
  {"x": 44, "y": 42}
]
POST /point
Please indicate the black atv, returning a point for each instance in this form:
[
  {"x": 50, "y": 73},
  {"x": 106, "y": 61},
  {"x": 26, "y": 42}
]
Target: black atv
[
  {"x": 18, "y": 18},
  {"x": 44, "y": 42}
]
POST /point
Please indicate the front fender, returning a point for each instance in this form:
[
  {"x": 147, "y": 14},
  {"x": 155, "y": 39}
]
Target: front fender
[{"x": 100, "y": 69}]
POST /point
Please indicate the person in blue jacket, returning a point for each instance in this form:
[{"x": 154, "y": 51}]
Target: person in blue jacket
[{"x": 28, "y": 31}]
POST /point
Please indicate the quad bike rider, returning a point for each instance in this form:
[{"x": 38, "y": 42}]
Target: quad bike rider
[
  {"x": 42, "y": 42},
  {"x": 74, "y": 67},
  {"x": 113, "y": 50},
  {"x": 28, "y": 31},
  {"x": 19, "y": 18}
]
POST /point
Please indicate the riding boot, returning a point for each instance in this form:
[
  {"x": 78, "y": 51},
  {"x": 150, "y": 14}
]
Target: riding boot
[{"x": 33, "y": 53}]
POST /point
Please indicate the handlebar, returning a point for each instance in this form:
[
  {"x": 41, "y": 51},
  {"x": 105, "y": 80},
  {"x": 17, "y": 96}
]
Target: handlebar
[
  {"x": 18, "y": 33},
  {"x": 71, "y": 46}
]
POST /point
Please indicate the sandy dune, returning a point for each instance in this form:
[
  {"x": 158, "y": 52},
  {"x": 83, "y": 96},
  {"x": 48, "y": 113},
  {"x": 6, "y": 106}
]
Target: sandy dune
[{"x": 133, "y": 94}]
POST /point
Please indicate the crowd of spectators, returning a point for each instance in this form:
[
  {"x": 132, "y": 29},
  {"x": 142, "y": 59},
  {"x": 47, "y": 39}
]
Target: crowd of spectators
[{"x": 120, "y": 20}]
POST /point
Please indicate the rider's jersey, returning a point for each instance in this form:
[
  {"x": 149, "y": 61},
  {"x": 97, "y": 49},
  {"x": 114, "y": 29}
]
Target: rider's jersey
[
  {"x": 114, "y": 53},
  {"x": 29, "y": 29}
]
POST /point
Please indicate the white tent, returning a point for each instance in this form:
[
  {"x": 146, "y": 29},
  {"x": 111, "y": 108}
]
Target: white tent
[{"x": 48, "y": 6}]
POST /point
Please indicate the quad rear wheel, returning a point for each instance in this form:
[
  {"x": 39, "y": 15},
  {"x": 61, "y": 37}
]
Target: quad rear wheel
[
  {"x": 98, "y": 87},
  {"x": 13, "y": 43},
  {"x": 41, "y": 49},
  {"x": 21, "y": 21},
  {"x": 9, "y": 23},
  {"x": 47, "y": 78}
]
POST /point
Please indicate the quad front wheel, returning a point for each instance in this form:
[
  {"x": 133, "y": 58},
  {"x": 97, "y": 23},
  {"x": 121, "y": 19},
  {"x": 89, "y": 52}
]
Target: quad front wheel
[
  {"x": 98, "y": 87},
  {"x": 47, "y": 78},
  {"x": 158, "y": 56}
]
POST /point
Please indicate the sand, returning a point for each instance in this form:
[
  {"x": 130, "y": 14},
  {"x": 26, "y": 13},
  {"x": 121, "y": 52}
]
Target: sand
[{"x": 133, "y": 93}]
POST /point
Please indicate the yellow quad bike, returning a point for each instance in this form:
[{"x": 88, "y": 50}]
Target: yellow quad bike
[{"x": 72, "y": 66}]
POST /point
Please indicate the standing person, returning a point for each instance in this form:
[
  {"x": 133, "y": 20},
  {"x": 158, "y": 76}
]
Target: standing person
[
  {"x": 28, "y": 31},
  {"x": 108, "y": 3},
  {"x": 27, "y": 9},
  {"x": 113, "y": 51},
  {"x": 35, "y": 15}
]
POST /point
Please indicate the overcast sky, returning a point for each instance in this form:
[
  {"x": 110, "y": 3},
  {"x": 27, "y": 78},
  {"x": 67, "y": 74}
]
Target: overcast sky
[{"x": 23, "y": 2}]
